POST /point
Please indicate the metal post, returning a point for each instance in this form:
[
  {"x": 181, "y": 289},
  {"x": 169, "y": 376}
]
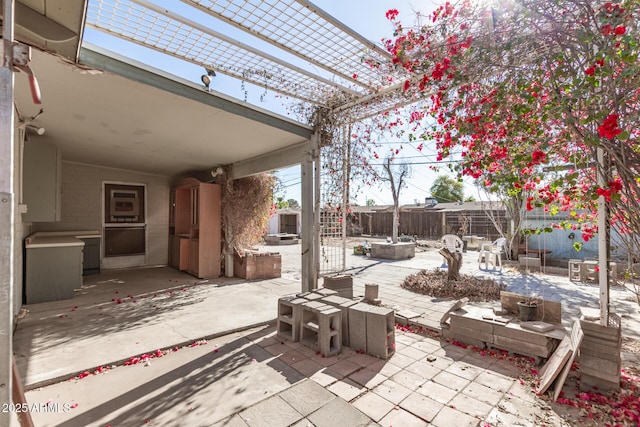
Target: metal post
[
  {"x": 6, "y": 208},
  {"x": 315, "y": 147},
  {"x": 307, "y": 222},
  {"x": 603, "y": 239}
]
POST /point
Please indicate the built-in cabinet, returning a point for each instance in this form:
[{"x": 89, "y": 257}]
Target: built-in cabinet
[
  {"x": 41, "y": 182},
  {"x": 195, "y": 231}
]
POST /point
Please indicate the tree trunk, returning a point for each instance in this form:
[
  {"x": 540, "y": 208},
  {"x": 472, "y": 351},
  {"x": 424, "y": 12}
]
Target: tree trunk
[
  {"x": 454, "y": 262},
  {"x": 396, "y": 219}
]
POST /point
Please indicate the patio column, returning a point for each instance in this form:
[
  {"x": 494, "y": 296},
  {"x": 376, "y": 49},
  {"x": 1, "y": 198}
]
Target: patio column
[
  {"x": 309, "y": 279},
  {"x": 6, "y": 208}
]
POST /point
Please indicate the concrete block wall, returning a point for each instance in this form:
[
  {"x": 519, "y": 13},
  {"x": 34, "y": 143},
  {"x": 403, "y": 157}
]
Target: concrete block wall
[
  {"x": 600, "y": 360},
  {"x": 255, "y": 266},
  {"x": 82, "y": 204}
]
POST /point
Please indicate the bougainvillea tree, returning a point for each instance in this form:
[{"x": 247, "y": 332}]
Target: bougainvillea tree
[{"x": 529, "y": 92}]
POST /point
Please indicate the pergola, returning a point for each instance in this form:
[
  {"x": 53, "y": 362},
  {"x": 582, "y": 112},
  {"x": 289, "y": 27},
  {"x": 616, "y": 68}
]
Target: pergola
[{"x": 305, "y": 54}]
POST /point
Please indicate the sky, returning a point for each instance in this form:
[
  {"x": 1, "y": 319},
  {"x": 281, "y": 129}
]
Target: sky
[
  {"x": 364, "y": 16},
  {"x": 368, "y": 18}
]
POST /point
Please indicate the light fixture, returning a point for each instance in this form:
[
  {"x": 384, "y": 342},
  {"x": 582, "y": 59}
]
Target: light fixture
[
  {"x": 218, "y": 171},
  {"x": 37, "y": 129},
  {"x": 206, "y": 78}
]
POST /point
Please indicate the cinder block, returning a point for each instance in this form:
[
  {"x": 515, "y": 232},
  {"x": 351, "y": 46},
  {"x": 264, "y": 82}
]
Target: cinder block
[
  {"x": 471, "y": 323},
  {"x": 325, "y": 292},
  {"x": 595, "y": 329},
  {"x": 341, "y": 284},
  {"x": 523, "y": 348},
  {"x": 321, "y": 328},
  {"x": 478, "y": 336},
  {"x": 330, "y": 336},
  {"x": 381, "y": 330},
  {"x": 358, "y": 326},
  {"x": 590, "y": 382},
  {"x": 311, "y": 296},
  {"x": 465, "y": 339},
  {"x": 600, "y": 367},
  {"x": 343, "y": 304},
  {"x": 370, "y": 292},
  {"x": 517, "y": 333},
  {"x": 289, "y": 318}
]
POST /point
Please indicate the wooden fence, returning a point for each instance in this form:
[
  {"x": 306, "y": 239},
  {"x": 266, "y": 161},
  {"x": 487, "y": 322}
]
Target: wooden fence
[{"x": 429, "y": 224}]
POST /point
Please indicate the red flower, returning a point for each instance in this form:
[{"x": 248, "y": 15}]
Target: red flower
[
  {"x": 590, "y": 71},
  {"x": 609, "y": 128},
  {"x": 392, "y": 14},
  {"x": 406, "y": 85},
  {"x": 355, "y": 76},
  {"x": 606, "y": 30},
  {"x": 538, "y": 157},
  {"x": 615, "y": 186},
  {"x": 620, "y": 30}
]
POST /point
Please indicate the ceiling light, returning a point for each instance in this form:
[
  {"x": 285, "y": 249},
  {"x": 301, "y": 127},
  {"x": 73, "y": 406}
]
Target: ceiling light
[{"x": 37, "y": 129}]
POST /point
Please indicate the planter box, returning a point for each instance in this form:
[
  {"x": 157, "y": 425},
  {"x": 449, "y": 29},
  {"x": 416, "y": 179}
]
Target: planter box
[
  {"x": 393, "y": 251},
  {"x": 257, "y": 265}
]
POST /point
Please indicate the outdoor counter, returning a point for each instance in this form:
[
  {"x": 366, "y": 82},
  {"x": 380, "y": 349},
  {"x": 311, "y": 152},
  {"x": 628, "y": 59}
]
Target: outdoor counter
[{"x": 54, "y": 264}]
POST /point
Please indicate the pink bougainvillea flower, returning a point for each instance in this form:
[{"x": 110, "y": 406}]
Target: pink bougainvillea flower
[
  {"x": 619, "y": 30},
  {"x": 609, "y": 128},
  {"x": 392, "y": 14}
]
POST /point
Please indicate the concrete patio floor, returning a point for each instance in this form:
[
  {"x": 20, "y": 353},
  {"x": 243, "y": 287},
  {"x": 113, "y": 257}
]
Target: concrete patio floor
[{"x": 121, "y": 314}]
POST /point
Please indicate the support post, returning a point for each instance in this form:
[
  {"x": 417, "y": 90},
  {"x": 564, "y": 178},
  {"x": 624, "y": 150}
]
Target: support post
[
  {"x": 603, "y": 238},
  {"x": 6, "y": 208},
  {"x": 315, "y": 147},
  {"x": 308, "y": 282}
]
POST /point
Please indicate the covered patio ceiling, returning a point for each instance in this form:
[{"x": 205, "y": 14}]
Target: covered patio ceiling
[{"x": 105, "y": 108}]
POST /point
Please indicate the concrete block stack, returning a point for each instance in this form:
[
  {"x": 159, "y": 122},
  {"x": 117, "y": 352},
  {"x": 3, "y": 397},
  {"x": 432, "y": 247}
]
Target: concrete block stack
[
  {"x": 600, "y": 360},
  {"x": 326, "y": 321}
]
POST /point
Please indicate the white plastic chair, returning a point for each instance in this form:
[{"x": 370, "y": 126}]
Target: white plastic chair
[
  {"x": 491, "y": 253},
  {"x": 453, "y": 243}
]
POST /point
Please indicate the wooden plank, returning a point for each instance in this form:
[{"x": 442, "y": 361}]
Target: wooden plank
[
  {"x": 576, "y": 340},
  {"x": 555, "y": 364}
]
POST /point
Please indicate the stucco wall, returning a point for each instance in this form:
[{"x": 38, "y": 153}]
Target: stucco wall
[{"x": 82, "y": 204}]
